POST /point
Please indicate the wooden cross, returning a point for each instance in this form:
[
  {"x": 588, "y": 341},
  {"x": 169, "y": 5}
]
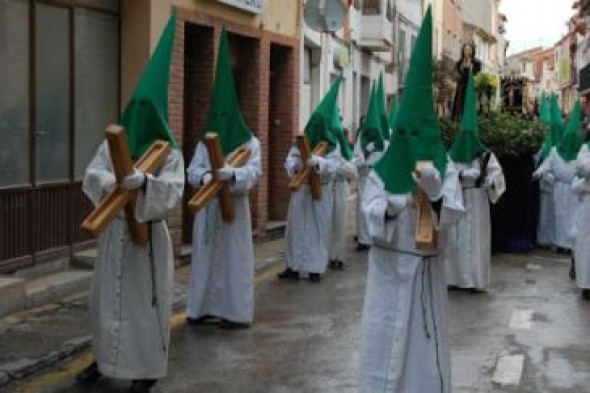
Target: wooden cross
[
  {"x": 120, "y": 198},
  {"x": 307, "y": 174},
  {"x": 217, "y": 187}
]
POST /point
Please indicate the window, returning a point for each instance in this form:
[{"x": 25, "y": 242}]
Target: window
[
  {"x": 307, "y": 66},
  {"x": 401, "y": 56},
  {"x": 14, "y": 95},
  {"x": 97, "y": 82},
  {"x": 390, "y": 11}
]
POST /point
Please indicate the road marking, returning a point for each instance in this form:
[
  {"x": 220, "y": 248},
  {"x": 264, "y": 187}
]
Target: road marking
[
  {"x": 73, "y": 368},
  {"x": 509, "y": 370},
  {"x": 521, "y": 319}
]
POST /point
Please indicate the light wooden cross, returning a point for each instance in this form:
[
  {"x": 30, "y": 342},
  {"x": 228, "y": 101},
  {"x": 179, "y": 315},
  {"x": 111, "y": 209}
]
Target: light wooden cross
[
  {"x": 119, "y": 198},
  {"x": 425, "y": 236},
  {"x": 307, "y": 174},
  {"x": 217, "y": 187}
]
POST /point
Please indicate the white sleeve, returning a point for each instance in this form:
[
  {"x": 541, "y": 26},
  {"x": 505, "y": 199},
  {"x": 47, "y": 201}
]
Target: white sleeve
[
  {"x": 248, "y": 175},
  {"x": 99, "y": 175},
  {"x": 293, "y": 159},
  {"x": 199, "y": 165},
  {"x": 163, "y": 189},
  {"x": 452, "y": 197},
  {"x": 495, "y": 176}
]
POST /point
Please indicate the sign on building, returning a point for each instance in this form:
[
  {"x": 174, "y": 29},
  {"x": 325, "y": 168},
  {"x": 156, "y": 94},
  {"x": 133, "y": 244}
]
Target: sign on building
[{"x": 254, "y": 6}]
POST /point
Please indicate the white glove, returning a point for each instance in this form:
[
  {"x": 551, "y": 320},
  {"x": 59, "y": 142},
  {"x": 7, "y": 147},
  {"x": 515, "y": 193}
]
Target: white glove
[
  {"x": 370, "y": 147},
  {"x": 226, "y": 173},
  {"x": 470, "y": 174},
  {"x": 134, "y": 181},
  {"x": 206, "y": 179},
  {"x": 395, "y": 204},
  {"x": 549, "y": 178},
  {"x": 314, "y": 161},
  {"x": 488, "y": 183},
  {"x": 429, "y": 180},
  {"x": 538, "y": 174}
]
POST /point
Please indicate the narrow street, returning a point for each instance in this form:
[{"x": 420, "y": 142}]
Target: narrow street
[{"x": 529, "y": 333}]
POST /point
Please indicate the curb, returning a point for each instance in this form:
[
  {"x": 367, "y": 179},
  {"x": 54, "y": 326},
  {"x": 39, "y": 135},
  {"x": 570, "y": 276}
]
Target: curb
[{"x": 22, "y": 368}]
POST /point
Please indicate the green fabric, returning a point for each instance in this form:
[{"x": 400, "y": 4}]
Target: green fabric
[
  {"x": 555, "y": 132},
  {"x": 467, "y": 146},
  {"x": 225, "y": 117},
  {"x": 570, "y": 143},
  {"x": 418, "y": 134},
  {"x": 545, "y": 114},
  {"x": 545, "y": 117},
  {"x": 383, "y": 118},
  {"x": 146, "y": 117},
  {"x": 371, "y": 129},
  {"x": 393, "y": 113},
  {"x": 324, "y": 123}
]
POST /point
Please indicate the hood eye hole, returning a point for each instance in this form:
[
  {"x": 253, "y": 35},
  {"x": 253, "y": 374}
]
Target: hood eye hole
[{"x": 414, "y": 133}]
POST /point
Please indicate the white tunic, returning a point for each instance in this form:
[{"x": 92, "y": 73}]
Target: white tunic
[
  {"x": 359, "y": 157},
  {"x": 131, "y": 295},
  {"x": 467, "y": 247},
  {"x": 404, "y": 340},
  {"x": 346, "y": 172},
  {"x": 546, "y": 226},
  {"x": 581, "y": 230},
  {"x": 309, "y": 221},
  {"x": 222, "y": 274},
  {"x": 565, "y": 202}
]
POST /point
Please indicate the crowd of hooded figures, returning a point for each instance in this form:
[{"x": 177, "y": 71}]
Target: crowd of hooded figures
[{"x": 404, "y": 340}]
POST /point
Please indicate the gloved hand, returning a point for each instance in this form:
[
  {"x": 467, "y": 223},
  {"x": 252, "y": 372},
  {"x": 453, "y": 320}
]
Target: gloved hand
[
  {"x": 549, "y": 178},
  {"x": 314, "y": 161},
  {"x": 206, "y": 179},
  {"x": 537, "y": 174},
  {"x": 370, "y": 147},
  {"x": 488, "y": 183},
  {"x": 395, "y": 204},
  {"x": 470, "y": 174},
  {"x": 429, "y": 180},
  {"x": 134, "y": 181},
  {"x": 226, "y": 173}
]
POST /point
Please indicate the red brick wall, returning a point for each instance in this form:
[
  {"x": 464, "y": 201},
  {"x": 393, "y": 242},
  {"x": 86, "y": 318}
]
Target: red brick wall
[{"x": 191, "y": 83}]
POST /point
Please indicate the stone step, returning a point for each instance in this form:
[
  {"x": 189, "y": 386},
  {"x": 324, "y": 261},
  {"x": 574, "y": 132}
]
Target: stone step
[
  {"x": 55, "y": 286},
  {"x": 43, "y": 269},
  {"x": 12, "y": 294},
  {"x": 84, "y": 259}
]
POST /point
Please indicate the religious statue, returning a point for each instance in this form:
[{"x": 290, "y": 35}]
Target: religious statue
[{"x": 466, "y": 64}]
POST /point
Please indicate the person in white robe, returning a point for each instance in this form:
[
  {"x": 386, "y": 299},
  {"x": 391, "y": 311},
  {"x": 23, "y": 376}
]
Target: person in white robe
[
  {"x": 222, "y": 275},
  {"x": 132, "y": 287},
  {"x": 309, "y": 221},
  {"x": 345, "y": 173},
  {"x": 581, "y": 231},
  {"x": 221, "y": 284},
  {"x": 368, "y": 149},
  {"x": 467, "y": 247},
  {"x": 404, "y": 339},
  {"x": 559, "y": 170}
]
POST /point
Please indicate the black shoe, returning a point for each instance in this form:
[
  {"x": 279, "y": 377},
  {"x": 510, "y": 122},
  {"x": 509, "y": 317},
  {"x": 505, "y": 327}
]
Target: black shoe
[
  {"x": 202, "y": 320},
  {"x": 572, "y": 273},
  {"x": 288, "y": 274},
  {"x": 142, "y": 385},
  {"x": 336, "y": 265},
  {"x": 362, "y": 247},
  {"x": 231, "y": 325},
  {"x": 586, "y": 294},
  {"x": 314, "y": 277},
  {"x": 89, "y": 375},
  {"x": 453, "y": 288}
]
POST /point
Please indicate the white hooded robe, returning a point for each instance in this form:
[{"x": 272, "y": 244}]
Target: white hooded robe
[{"x": 344, "y": 175}]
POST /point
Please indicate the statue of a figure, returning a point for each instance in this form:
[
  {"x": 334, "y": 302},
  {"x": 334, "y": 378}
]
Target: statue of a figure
[{"x": 467, "y": 63}]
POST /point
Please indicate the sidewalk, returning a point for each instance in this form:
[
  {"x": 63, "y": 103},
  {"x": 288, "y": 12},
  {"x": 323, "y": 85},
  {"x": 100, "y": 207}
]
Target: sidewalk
[{"x": 41, "y": 337}]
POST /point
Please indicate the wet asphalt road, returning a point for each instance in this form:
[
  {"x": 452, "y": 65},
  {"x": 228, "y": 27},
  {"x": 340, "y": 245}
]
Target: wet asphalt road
[{"x": 305, "y": 337}]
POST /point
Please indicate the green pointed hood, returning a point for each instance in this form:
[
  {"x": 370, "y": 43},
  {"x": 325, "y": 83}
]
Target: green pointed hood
[
  {"x": 146, "y": 117},
  {"x": 371, "y": 129},
  {"x": 383, "y": 118},
  {"x": 225, "y": 117},
  {"x": 546, "y": 118},
  {"x": 417, "y": 135},
  {"x": 324, "y": 123},
  {"x": 570, "y": 143},
  {"x": 467, "y": 146}
]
